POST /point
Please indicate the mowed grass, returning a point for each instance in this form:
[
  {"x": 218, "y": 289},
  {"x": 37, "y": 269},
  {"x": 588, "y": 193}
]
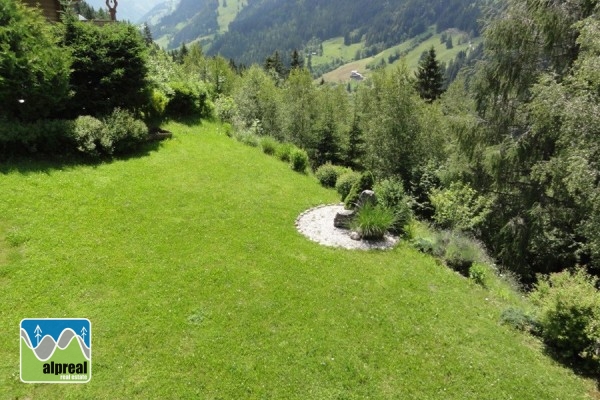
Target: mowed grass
[{"x": 188, "y": 264}]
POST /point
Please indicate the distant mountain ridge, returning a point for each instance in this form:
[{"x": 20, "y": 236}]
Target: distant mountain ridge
[{"x": 263, "y": 26}]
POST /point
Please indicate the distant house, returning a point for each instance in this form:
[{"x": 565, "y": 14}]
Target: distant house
[
  {"x": 356, "y": 76},
  {"x": 50, "y": 8}
]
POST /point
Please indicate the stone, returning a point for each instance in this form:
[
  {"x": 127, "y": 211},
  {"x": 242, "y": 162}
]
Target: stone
[
  {"x": 366, "y": 197},
  {"x": 355, "y": 236},
  {"x": 343, "y": 219}
]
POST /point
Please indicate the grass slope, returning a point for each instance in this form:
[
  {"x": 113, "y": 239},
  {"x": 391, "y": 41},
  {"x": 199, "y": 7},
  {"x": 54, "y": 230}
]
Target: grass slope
[
  {"x": 197, "y": 284},
  {"x": 332, "y": 50}
]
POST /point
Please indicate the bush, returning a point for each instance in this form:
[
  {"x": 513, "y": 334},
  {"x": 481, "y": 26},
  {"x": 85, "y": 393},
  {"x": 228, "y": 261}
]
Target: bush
[
  {"x": 372, "y": 222},
  {"x": 459, "y": 207},
  {"x": 299, "y": 160},
  {"x": 328, "y": 174},
  {"x": 248, "y": 138},
  {"x": 568, "y": 313},
  {"x": 284, "y": 151},
  {"x": 518, "y": 319},
  {"x": 390, "y": 194},
  {"x": 345, "y": 182},
  {"x": 123, "y": 132},
  {"x": 43, "y": 136},
  {"x": 87, "y": 133},
  {"x": 478, "y": 273},
  {"x": 109, "y": 68},
  {"x": 34, "y": 70},
  {"x": 365, "y": 182},
  {"x": 225, "y": 108},
  {"x": 268, "y": 145},
  {"x": 158, "y": 105},
  {"x": 458, "y": 251}
]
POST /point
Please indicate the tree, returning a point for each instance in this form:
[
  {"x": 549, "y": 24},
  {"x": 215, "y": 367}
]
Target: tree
[
  {"x": 109, "y": 68},
  {"x": 297, "y": 62},
  {"x": 34, "y": 70},
  {"x": 430, "y": 77},
  {"x": 147, "y": 34},
  {"x": 274, "y": 65}
]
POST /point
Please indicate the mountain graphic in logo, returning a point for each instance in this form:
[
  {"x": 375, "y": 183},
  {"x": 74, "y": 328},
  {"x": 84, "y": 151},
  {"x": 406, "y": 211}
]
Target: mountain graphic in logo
[{"x": 56, "y": 350}]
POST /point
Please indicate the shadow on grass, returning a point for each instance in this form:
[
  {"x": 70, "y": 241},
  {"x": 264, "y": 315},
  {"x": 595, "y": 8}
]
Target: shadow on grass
[
  {"x": 46, "y": 163},
  {"x": 585, "y": 369}
]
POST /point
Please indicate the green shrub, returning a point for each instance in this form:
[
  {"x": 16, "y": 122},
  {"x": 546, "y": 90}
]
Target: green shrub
[
  {"x": 461, "y": 252},
  {"x": 459, "y": 207},
  {"x": 87, "y": 133},
  {"x": 122, "y": 132},
  {"x": 365, "y": 182},
  {"x": 189, "y": 99},
  {"x": 372, "y": 222},
  {"x": 225, "y": 108},
  {"x": 299, "y": 160},
  {"x": 478, "y": 273},
  {"x": 248, "y": 138},
  {"x": 42, "y": 136},
  {"x": 345, "y": 182},
  {"x": 284, "y": 151},
  {"x": 390, "y": 194},
  {"x": 157, "y": 106},
  {"x": 328, "y": 174},
  {"x": 109, "y": 68},
  {"x": 568, "y": 313},
  {"x": 518, "y": 319},
  {"x": 268, "y": 145}
]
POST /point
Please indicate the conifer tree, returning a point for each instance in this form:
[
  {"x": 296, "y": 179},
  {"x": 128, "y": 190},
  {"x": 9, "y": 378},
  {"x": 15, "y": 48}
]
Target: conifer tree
[{"x": 430, "y": 77}]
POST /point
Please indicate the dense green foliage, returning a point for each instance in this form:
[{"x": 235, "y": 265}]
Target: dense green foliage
[
  {"x": 34, "y": 71},
  {"x": 569, "y": 316},
  {"x": 108, "y": 67},
  {"x": 372, "y": 221},
  {"x": 430, "y": 77},
  {"x": 391, "y": 195}
]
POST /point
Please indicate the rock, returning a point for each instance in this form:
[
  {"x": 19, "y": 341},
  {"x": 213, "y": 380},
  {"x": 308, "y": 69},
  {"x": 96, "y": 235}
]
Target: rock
[
  {"x": 343, "y": 219},
  {"x": 355, "y": 236},
  {"x": 366, "y": 197}
]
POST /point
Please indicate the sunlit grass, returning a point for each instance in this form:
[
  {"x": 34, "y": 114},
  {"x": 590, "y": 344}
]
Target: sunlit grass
[{"x": 188, "y": 264}]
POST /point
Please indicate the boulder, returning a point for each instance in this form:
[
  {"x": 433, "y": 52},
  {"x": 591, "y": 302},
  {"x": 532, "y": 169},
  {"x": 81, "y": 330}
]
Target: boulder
[
  {"x": 343, "y": 219},
  {"x": 366, "y": 197}
]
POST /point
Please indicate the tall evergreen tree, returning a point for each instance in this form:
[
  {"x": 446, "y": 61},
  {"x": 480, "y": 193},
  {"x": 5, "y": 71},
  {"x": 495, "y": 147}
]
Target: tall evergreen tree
[
  {"x": 430, "y": 77},
  {"x": 297, "y": 62}
]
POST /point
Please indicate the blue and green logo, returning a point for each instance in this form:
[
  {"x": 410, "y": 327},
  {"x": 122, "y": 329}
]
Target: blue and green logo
[{"x": 56, "y": 350}]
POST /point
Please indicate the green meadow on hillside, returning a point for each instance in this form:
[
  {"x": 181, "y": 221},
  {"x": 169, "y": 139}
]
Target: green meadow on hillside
[
  {"x": 188, "y": 264},
  {"x": 412, "y": 50}
]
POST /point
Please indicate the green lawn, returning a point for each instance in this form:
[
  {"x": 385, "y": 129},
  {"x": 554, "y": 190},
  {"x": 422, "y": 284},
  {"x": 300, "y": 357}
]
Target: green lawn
[{"x": 188, "y": 264}]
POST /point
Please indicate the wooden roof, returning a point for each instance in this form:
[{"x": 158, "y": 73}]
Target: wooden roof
[{"x": 50, "y": 8}]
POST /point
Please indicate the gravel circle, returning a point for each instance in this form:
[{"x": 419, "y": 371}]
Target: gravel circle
[{"x": 317, "y": 225}]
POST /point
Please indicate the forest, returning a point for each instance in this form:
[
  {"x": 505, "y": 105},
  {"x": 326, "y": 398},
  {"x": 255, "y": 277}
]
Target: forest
[{"x": 508, "y": 155}]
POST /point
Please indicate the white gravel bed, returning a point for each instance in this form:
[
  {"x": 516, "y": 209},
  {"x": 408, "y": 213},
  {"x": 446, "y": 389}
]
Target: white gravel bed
[{"x": 317, "y": 225}]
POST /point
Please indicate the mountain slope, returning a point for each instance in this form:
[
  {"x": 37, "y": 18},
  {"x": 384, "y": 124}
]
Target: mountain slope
[{"x": 268, "y": 25}]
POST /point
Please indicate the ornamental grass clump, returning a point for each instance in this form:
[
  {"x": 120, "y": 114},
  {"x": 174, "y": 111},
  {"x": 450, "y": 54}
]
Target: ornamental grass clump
[{"x": 372, "y": 222}]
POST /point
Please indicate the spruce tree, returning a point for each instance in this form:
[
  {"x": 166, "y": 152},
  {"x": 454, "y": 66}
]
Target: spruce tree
[{"x": 430, "y": 77}]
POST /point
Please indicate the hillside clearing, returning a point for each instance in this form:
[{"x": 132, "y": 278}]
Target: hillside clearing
[{"x": 188, "y": 264}]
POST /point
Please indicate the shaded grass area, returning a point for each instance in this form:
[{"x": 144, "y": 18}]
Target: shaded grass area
[{"x": 197, "y": 284}]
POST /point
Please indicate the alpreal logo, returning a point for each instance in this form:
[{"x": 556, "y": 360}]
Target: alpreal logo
[{"x": 56, "y": 350}]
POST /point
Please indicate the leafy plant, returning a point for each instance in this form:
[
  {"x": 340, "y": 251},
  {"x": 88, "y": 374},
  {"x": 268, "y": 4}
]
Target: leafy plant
[
  {"x": 365, "y": 182},
  {"x": 372, "y": 222},
  {"x": 390, "y": 194},
  {"x": 569, "y": 314},
  {"x": 268, "y": 145},
  {"x": 284, "y": 151},
  {"x": 299, "y": 160},
  {"x": 123, "y": 132},
  {"x": 87, "y": 134},
  {"x": 328, "y": 174},
  {"x": 518, "y": 319},
  {"x": 478, "y": 273},
  {"x": 345, "y": 182},
  {"x": 459, "y": 207}
]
